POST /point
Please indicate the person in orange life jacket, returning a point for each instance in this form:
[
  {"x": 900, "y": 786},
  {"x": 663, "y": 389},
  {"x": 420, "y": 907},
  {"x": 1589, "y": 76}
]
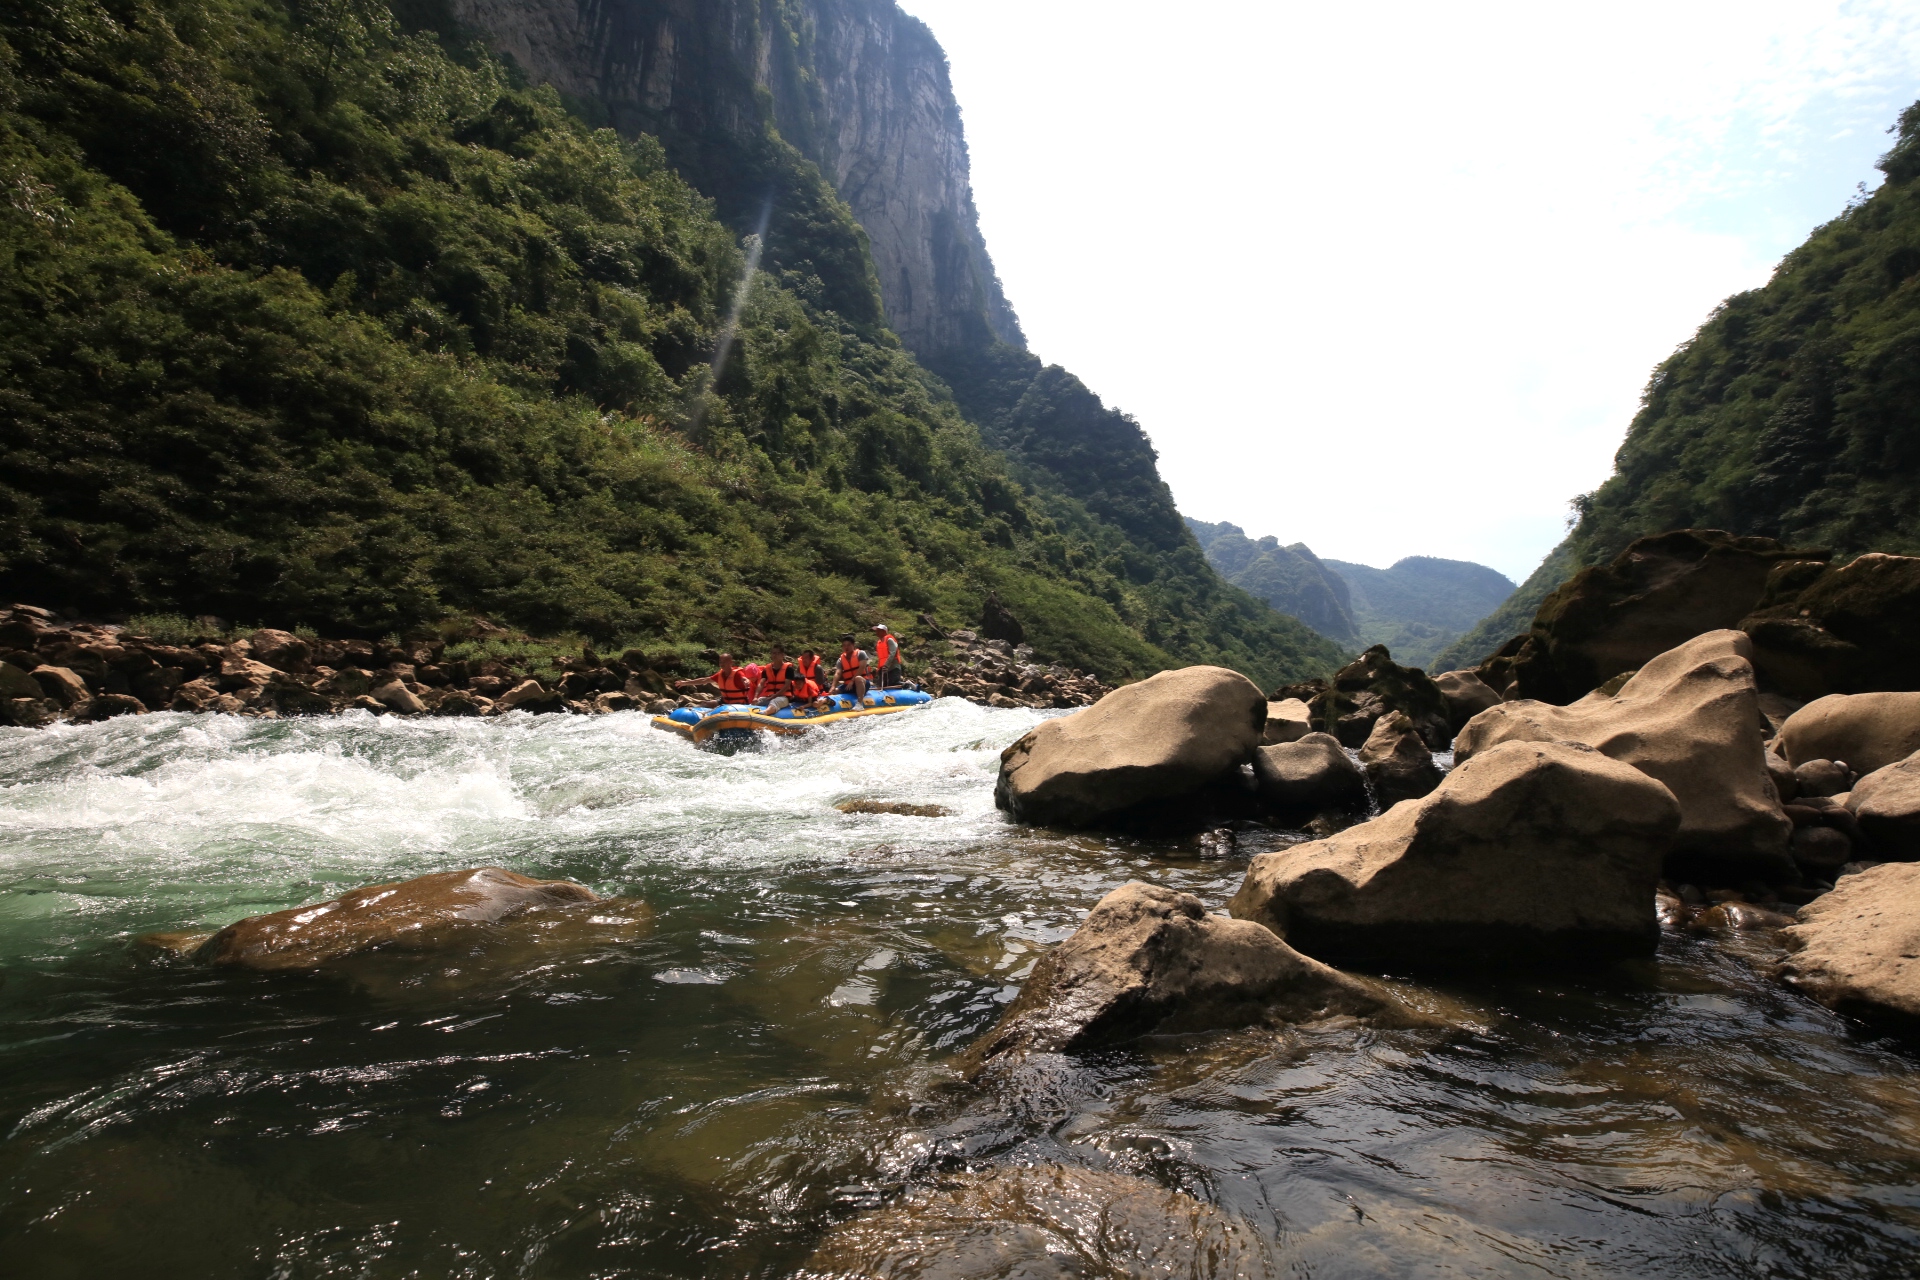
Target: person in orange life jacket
[
  {"x": 806, "y": 679},
  {"x": 730, "y": 683},
  {"x": 775, "y": 687},
  {"x": 851, "y": 669},
  {"x": 887, "y": 673}
]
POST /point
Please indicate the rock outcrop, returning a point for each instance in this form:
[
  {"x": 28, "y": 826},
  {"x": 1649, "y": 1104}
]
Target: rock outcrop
[
  {"x": 1528, "y": 850},
  {"x": 1042, "y": 1222},
  {"x": 1689, "y": 720},
  {"x": 1313, "y": 774},
  {"x": 1854, "y": 628},
  {"x": 1148, "y": 959},
  {"x": 1858, "y": 947},
  {"x": 1398, "y": 764},
  {"x": 1167, "y": 736},
  {"x": 1658, "y": 594},
  {"x": 1369, "y": 687},
  {"x": 432, "y": 912},
  {"x": 1867, "y": 730}
]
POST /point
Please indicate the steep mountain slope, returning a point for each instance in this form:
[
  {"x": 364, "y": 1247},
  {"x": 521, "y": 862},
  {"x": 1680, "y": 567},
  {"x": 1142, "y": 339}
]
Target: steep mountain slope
[
  {"x": 312, "y": 316},
  {"x": 1291, "y": 579},
  {"x": 1793, "y": 413},
  {"x": 1421, "y": 604}
]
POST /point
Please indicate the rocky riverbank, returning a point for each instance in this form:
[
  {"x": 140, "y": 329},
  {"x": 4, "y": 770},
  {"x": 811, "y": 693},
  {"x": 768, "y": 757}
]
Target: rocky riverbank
[{"x": 54, "y": 669}]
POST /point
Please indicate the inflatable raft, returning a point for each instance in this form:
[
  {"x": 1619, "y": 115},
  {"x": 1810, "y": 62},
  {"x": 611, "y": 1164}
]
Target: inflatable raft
[{"x": 701, "y": 724}]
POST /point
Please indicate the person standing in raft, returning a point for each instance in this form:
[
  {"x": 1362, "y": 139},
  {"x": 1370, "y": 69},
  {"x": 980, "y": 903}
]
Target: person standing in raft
[
  {"x": 887, "y": 673},
  {"x": 850, "y": 672},
  {"x": 775, "y": 686},
  {"x": 730, "y": 683}
]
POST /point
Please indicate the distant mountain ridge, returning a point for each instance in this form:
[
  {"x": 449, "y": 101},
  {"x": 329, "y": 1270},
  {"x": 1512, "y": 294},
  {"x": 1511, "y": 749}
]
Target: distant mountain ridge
[{"x": 1416, "y": 608}]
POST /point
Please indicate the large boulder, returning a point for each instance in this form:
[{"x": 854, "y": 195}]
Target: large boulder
[
  {"x": 1041, "y": 1222},
  {"x": 16, "y": 683},
  {"x": 1369, "y": 687},
  {"x": 1397, "y": 761},
  {"x": 1659, "y": 593},
  {"x": 1867, "y": 730},
  {"x": 424, "y": 914},
  {"x": 1529, "y": 849},
  {"x": 1288, "y": 720},
  {"x": 1312, "y": 774},
  {"x": 1467, "y": 695},
  {"x": 1149, "y": 959},
  {"x": 281, "y": 650},
  {"x": 1167, "y": 736},
  {"x": 1850, "y": 629},
  {"x": 1886, "y": 805},
  {"x": 1858, "y": 947},
  {"x": 1688, "y": 719}
]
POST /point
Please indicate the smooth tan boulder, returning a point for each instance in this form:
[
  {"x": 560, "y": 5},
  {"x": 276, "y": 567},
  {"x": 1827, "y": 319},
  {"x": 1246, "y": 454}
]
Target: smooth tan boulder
[
  {"x": 1312, "y": 774},
  {"x": 1150, "y": 959},
  {"x": 281, "y": 650},
  {"x": 1867, "y": 730},
  {"x": 1886, "y": 804},
  {"x": 1043, "y": 1222},
  {"x": 1288, "y": 720},
  {"x": 1467, "y": 695},
  {"x": 428, "y": 913},
  {"x": 1167, "y": 736},
  {"x": 1398, "y": 764},
  {"x": 1857, "y": 948},
  {"x": 395, "y": 696},
  {"x": 1528, "y": 850},
  {"x": 1688, "y": 719}
]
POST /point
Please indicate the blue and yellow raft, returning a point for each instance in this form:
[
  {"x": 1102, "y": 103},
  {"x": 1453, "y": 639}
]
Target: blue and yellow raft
[{"x": 699, "y": 724}]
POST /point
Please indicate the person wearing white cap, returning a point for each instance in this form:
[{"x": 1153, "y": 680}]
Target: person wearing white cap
[{"x": 886, "y": 658}]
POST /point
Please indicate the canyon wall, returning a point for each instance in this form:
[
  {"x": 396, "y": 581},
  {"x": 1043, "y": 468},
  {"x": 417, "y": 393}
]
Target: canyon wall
[{"x": 855, "y": 86}]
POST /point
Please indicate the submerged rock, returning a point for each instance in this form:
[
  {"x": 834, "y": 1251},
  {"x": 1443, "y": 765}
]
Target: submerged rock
[
  {"x": 893, "y": 806},
  {"x": 1858, "y": 947},
  {"x": 1165, "y": 737},
  {"x": 1149, "y": 959},
  {"x": 1397, "y": 761},
  {"x": 1867, "y": 730},
  {"x": 1530, "y": 849},
  {"x": 1689, "y": 720},
  {"x": 1046, "y": 1222},
  {"x": 1309, "y": 776},
  {"x": 427, "y": 913}
]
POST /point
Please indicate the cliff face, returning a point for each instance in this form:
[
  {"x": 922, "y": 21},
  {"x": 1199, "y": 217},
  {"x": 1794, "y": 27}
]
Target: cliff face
[{"x": 855, "y": 86}]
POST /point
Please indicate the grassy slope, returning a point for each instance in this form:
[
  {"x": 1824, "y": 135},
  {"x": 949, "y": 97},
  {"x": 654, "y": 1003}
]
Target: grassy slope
[{"x": 310, "y": 319}]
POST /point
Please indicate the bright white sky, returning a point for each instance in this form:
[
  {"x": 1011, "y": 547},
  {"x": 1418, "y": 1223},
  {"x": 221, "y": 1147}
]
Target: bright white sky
[{"x": 1389, "y": 279}]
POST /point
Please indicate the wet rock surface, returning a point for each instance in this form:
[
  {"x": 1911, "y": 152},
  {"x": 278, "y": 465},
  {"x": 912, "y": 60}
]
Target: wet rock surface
[
  {"x": 1040, "y": 1223},
  {"x": 1527, "y": 851},
  {"x": 429, "y": 913},
  {"x": 1858, "y": 947},
  {"x": 1165, "y": 737},
  {"x": 1689, "y": 720},
  {"x": 1150, "y": 959}
]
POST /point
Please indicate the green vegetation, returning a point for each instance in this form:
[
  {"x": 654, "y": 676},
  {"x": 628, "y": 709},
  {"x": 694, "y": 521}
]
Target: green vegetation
[
  {"x": 1793, "y": 413},
  {"x": 314, "y": 317},
  {"x": 1421, "y": 604},
  {"x": 1291, "y": 579}
]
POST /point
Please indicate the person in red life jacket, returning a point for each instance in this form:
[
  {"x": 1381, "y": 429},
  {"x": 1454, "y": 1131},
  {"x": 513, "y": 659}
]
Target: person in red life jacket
[
  {"x": 807, "y": 686},
  {"x": 730, "y": 683},
  {"x": 851, "y": 669},
  {"x": 887, "y": 672},
  {"x": 774, "y": 687}
]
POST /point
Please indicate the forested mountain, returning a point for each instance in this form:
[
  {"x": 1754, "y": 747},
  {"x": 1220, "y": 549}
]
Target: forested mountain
[
  {"x": 1291, "y": 579},
  {"x": 325, "y": 313},
  {"x": 1421, "y": 604},
  {"x": 1793, "y": 413}
]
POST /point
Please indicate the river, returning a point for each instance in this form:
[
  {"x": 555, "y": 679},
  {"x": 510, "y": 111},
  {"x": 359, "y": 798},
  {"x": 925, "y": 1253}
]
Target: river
[{"x": 770, "y": 1057}]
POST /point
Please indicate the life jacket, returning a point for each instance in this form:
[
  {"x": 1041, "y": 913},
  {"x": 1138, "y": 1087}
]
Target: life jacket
[
  {"x": 886, "y": 651},
  {"x": 776, "y": 682},
  {"x": 809, "y": 667},
  {"x": 850, "y": 665},
  {"x": 735, "y": 685},
  {"x": 804, "y": 689}
]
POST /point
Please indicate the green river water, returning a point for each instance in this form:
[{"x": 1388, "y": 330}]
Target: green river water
[{"x": 770, "y": 1059}]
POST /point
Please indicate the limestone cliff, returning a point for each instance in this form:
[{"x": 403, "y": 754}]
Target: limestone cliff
[{"x": 856, "y": 86}]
